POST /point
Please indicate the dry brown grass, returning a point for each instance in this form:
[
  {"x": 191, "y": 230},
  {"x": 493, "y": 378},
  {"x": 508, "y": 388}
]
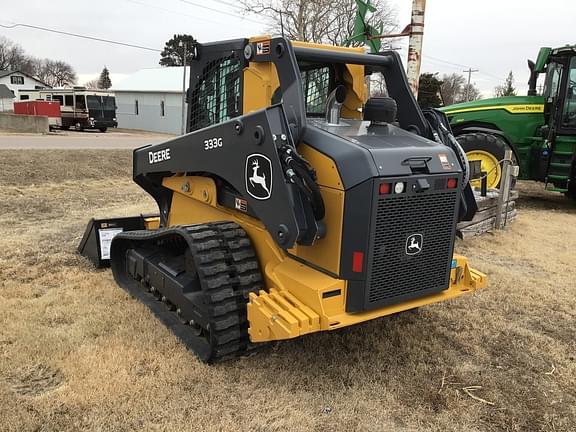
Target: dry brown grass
[{"x": 76, "y": 353}]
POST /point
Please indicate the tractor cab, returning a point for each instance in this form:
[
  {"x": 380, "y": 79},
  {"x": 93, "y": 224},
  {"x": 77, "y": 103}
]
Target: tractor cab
[
  {"x": 560, "y": 89},
  {"x": 559, "y": 130}
]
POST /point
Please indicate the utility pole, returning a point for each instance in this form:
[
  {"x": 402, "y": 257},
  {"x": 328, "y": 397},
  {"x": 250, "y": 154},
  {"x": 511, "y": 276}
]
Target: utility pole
[
  {"x": 183, "y": 125},
  {"x": 469, "y": 72},
  {"x": 415, "y": 44}
]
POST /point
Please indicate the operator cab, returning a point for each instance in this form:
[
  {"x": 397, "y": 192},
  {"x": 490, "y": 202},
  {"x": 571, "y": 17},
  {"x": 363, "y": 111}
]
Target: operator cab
[{"x": 560, "y": 91}]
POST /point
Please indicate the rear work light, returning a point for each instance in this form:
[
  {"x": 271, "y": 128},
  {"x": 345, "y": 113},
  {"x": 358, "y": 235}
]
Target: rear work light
[
  {"x": 357, "y": 262},
  {"x": 452, "y": 183},
  {"x": 399, "y": 187},
  {"x": 385, "y": 188}
]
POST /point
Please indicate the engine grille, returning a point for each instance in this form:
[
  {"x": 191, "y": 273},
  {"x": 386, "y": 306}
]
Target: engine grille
[{"x": 397, "y": 276}]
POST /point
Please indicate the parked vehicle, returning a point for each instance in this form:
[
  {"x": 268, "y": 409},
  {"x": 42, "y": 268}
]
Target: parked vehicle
[
  {"x": 541, "y": 130},
  {"x": 80, "y": 108},
  {"x": 277, "y": 220}
]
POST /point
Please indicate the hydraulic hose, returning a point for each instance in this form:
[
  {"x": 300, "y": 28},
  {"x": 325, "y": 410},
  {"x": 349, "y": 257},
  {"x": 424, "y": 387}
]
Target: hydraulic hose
[{"x": 299, "y": 172}]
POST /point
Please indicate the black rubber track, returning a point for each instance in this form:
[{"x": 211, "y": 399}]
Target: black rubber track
[{"x": 227, "y": 270}]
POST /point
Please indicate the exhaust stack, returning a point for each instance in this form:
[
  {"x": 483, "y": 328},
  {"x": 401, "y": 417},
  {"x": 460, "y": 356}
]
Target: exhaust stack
[{"x": 334, "y": 105}]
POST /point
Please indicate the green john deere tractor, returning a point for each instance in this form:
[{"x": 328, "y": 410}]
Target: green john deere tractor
[{"x": 541, "y": 130}]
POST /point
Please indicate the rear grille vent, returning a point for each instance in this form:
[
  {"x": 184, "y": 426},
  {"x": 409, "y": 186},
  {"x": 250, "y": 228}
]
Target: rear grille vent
[{"x": 397, "y": 275}]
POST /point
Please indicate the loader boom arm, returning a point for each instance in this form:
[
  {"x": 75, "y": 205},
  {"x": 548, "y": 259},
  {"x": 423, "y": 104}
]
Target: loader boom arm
[{"x": 226, "y": 151}]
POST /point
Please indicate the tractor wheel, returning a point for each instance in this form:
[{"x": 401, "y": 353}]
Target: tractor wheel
[{"x": 490, "y": 150}]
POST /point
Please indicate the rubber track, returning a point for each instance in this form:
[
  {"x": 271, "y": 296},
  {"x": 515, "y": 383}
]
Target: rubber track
[{"x": 228, "y": 271}]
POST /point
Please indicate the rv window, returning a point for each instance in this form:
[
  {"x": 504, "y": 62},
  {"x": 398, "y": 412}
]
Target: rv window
[
  {"x": 24, "y": 97},
  {"x": 69, "y": 100},
  {"x": 18, "y": 80},
  {"x": 94, "y": 102},
  {"x": 136, "y": 107},
  {"x": 80, "y": 102},
  {"x": 48, "y": 97},
  {"x": 58, "y": 98},
  {"x": 109, "y": 103},
  {"x": 162, "y": 109}
]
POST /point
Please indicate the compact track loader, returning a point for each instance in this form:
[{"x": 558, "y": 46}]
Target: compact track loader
[{"x": 295, "y": 203}]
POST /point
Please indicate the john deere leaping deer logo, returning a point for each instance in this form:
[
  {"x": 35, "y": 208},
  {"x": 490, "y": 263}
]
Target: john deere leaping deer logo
[
  {"x": 258, "y": 176},
  {"x": 414, "y": 244}
]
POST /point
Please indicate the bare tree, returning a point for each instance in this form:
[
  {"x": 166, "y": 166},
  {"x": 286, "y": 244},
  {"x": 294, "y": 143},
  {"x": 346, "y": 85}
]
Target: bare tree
[
  {"x": 319, "y": 21},
  {"x": 92, "y": 84},
  {"x": 56, "y": 73},
  {"x": 451, "y": 88},
  {"x": 454, "y": 89},
  {"x": 472, "y": 91},
  {"x": 377, "y": 85},
  {"x": 12, "y": 56},
  {"x": 52, "y": 72}
]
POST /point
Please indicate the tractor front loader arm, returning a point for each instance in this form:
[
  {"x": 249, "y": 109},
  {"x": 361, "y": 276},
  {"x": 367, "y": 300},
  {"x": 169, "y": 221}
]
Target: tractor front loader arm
[{"x": 252, "y": 154}]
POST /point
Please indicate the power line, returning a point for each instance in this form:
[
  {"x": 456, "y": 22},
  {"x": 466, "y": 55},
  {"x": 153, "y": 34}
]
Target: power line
[
  {"x": 228, "y": 4},
  {"x": 218, "y": 10},
  {"x": 453, "y": 65},
  {"x": 172, "y": 11},
  {"x": 79, "y": 36},
  {"x": 456, "y": 65}
]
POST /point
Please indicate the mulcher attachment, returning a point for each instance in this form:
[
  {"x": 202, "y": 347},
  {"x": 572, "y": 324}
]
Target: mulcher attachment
[{"x": 196, "y": 279}]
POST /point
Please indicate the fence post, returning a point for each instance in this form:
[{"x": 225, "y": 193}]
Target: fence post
[{"x": 504, "y": 193}]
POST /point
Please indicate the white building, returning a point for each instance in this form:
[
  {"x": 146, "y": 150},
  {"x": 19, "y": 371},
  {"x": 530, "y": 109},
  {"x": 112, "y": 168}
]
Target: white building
[
  {"x": 16, "y": 80},
  {"x": 6, "y": 99},
  {"x": 151, "y": 99}
]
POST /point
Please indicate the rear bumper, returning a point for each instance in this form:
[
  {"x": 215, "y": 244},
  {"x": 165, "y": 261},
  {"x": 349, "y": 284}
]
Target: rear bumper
[
  {"x": 97, "y": 124},
  {"x": 316, "y": 302}
]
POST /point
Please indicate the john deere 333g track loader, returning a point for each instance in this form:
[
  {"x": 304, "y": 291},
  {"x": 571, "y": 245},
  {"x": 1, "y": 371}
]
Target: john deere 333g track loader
[{"x": 295, "y": 203}]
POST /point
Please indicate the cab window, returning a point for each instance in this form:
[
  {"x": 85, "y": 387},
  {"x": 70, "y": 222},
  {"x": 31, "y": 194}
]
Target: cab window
[{"x": 569, "y": 110}]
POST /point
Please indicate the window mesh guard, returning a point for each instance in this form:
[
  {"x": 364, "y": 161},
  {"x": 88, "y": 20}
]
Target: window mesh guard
[
  {"x": 217, "y": 95},
  {"x": 316, "y": 86}
]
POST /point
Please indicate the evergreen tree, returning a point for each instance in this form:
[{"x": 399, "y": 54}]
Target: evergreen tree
[
  {"x": 429, "y": 90},
  {"x": 173, "y": 53},
  {"x": 508, "y": 88},
  {"x": 104, "y": 80}
]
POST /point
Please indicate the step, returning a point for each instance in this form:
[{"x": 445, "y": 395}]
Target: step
[
  {"x": 562, "y": 153},
  {"x": 557, "y": 177},
  {"x": 555, "y": 189},
  {"x": 562, "y": 166}
]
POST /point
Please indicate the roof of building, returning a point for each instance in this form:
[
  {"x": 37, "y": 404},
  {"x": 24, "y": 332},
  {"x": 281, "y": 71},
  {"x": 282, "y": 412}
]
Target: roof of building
[
  {"x": 5, "y": 92},
  {"x": 162, "y": 79},
  {"x": 4, "y": 73}
]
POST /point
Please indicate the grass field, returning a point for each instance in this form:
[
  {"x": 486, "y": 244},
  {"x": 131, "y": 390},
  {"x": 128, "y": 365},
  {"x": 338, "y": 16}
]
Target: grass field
[{"x": 77, "y": 353}]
